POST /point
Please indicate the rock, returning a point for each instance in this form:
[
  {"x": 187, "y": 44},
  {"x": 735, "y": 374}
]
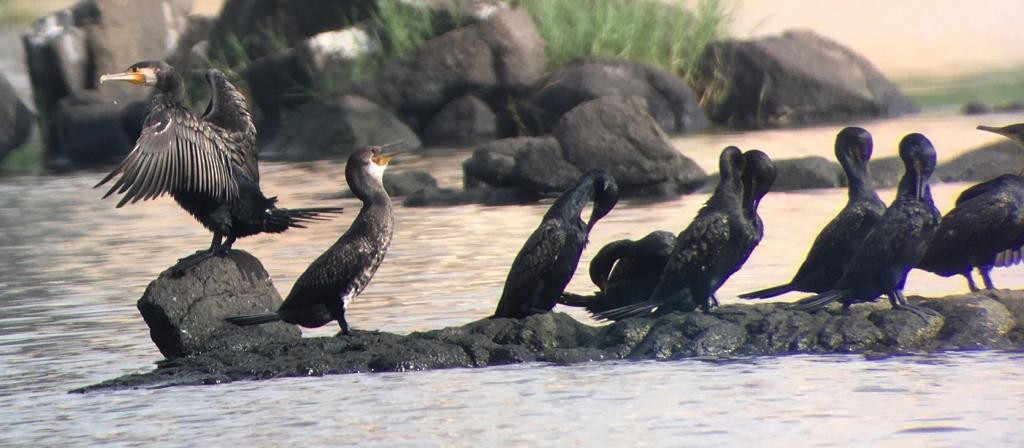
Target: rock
[
  {"x": 404, "y": 183},
  {"x": 1009, "y": 106},
  {"x": 798, "y": 77},
  {"x": 225, "y": 285},
  {"x": 465, "y": 121},
  {"x": 185, "y": 310},
  {"x": 15, "y": 118},
  {"x": 982, "y": 164},
  {"x": 56, "y": 53},
  {"x": 438, "y": 197},
  {"x": 975, "y": 108},
  {"x": 197, "y": 30},
  {"x": 282, "y": 84},
  {"x": 807, "y": 173},
  {"x": 494, "y": 163},
  {"x": 885, "y": 172},
  {"x": 617, "y": 134},
  {"x": 335, "y": 127},
  {"x": 85, "y": 129},
  {"x": 669, "y": 100},
  {"x": 502, "y": 54}
]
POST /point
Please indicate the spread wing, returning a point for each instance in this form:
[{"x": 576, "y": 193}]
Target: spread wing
[
  {"x": 526, "y": 278},
  {"x": 176, "y": 151}
]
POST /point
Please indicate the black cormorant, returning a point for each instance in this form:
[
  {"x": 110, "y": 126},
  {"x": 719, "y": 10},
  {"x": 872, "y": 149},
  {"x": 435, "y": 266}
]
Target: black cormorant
[
  {"x": 548, "y": 260},
  {"x": 714, "y": 245},
  {"x": 839, "y": 240},
  {"x": 208, "y": 164},
  {"x": 986, "y": 227},
  {"x": 337, "y": 276},
  {"x": 896, "y": 244},
  {"x": 625, "y": 272}
]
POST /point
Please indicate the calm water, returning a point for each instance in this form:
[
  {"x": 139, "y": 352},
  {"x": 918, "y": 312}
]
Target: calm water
[{"x": 72, "y": 267}]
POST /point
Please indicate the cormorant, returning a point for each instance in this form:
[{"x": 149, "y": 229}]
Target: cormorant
[
  {"x": 839, "y": 240},
  {"x": 548, "y": 259},
  {"x": 896, "y": 244},
  {"x": 208, "y": 164},
  {"x": 986, "y": 227},
  {"x": 716, "y": 243},
  {"x": 338, "y": 275},
  {"x": 625, "y": 272}
]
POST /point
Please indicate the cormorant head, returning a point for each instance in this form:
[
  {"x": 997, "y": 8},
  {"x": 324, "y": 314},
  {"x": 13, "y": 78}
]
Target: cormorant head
[
  {"x": 758, "y": 177},
  {"x": 148, "y": 73},
  {"x": 602, "y": 263},
  {"x": 853, "y": 147},
  {"x": 1013, "y": 132},
  {"x": 606, "y": 195},
  {"x": 918, "y": 157},
  {"x": 364, "y": 170},
  {"x": 730, "y": 167}
]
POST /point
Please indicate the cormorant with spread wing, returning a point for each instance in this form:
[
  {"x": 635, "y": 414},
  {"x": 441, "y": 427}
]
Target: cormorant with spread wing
[
  {"x": 549, "y": 257},
  {"x": 208, "y": 164},
  {"x": 896, "y": 244},
  {"x": 337, "y": 276},
  {"x": 839, "y": 240}
]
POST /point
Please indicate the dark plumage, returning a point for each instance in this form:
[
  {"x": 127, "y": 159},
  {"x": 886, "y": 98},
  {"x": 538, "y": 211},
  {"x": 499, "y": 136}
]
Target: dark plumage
[
  {"x": 986, "y": 227},
  {"x": 337, "y": 276},
  {"x": 548, "y": 260},
  {"x": 716, "y": 243},
  {"x": 625, "y": 272},
  {"x": 839, "y": 240},
  {"x": 896, "y": 244},
  {"x": 208, "y": 164}
]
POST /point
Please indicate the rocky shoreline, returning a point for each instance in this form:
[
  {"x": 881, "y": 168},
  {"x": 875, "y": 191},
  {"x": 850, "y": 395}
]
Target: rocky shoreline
[{"x": 193, "y": 302}]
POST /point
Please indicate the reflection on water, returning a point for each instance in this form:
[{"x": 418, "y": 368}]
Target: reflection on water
[{"x": 72, "y": 267}]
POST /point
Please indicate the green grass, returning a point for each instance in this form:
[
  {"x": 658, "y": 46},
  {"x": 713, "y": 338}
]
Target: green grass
[
  {"x": 665, "y": 34},
  {"x": 25, "y": 159},
  {"x": 991, "y": 88}
]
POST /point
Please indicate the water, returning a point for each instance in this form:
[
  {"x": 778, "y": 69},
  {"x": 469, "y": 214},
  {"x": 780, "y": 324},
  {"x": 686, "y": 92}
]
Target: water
[{"x": 72, "y": 267}]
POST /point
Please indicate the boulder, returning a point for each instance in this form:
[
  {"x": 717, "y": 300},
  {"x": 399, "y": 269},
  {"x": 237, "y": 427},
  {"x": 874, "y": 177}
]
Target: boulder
[
  {"x": 465, "y": 121},
  {"x": 796, "y": 78},
  {"x": 617, "y": 134},
  {"x": 185, "y": 307},
  {"x": 975, "y": 108},
  {"x": 335, "y": 127},
  {"x": 885, "y": 172},
  {"x": 807, "y": 173},
  {"x": 982, "y": 164},
  {"x": 494, "y": 163},
  {"x": 56, "y": 54},
  {"x": 15, "y": 118},
  {"x": 502, "y": 54},
  {"x": 970, "y": 321},
  {"x": 405, "y": 183},
  {"x": 86, "y": 129},
  {"x": 669, "y": 100}
]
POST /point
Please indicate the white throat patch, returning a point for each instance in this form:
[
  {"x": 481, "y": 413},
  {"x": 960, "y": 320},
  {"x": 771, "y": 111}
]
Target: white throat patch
[{"x": 376, "y": 171}]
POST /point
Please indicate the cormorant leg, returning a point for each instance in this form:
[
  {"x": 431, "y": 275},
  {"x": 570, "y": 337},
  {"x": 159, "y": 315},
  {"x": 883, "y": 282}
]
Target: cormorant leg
[
  {"x": 970, "y": 281},
  {"x": 344, "y": 325},
  {"x": 215, "y": 245},
  {"x": 899, "y": 302},
  {"x": 227, "y": 244},
  {"x": 986, "y": 277},
  {"x": 846, "y": 309},
  {"x": 714, "y": 301}
]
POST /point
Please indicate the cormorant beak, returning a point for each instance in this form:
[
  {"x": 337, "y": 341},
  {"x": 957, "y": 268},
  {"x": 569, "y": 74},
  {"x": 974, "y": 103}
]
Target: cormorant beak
[
  {"x": 995, "y": 130},
  {"x": 922, "y": 183},
  {"x": 141, "y": 77},
  {"x": 382, "y": 159}
]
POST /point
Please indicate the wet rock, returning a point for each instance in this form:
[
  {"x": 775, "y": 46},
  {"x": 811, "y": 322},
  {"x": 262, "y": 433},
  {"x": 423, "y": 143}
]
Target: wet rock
[
  {"x": 404, "y": 183},
  {"x": 502, "y": 54},
  {"x": 885, "y": 172},
  {"x": 797, "y": 77},
  {"x": 670, "y": 102},
  {"x": 465, "y": 121},
  {"x": 973, "y": 322},
  {"x": 185, "y": 309},
  {"x": 968, "y": 321},
  {"x": 86, "y": 129},
  {"x": 15, "y": 118},
  {"x": 982, "y": 164},
  {"x": 494, "y": 163},
  {"x": 335, "y": 127},
  {"x": 617, "y": 134},
  {"x": 807, "y": 173}
]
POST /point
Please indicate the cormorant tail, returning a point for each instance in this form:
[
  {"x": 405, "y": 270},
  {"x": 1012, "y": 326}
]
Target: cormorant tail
[
  {"x": 631, "y": 310},
  {"x": 768, "y": 292},
  {"x": 280, "y": 219},
  {"x": 253, "y": 319},
  {"x": 1008, "y": 257},
  {"x": 576, "y": 300},
  {"x": 817, "y": 302}
]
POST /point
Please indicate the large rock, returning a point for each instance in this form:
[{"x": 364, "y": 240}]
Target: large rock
[
  {"x": 982, "y": 164},
  {"x": 494, "y": 163},
  {"x": 185, "y": 307},
  {"x": 669, "y": 100},
  {"x": 798, "y": 77},
  {"x": 15, "y": 118},
  {"x": 885, "y": 172},
  {"x": 86, "y": 129},
  {"x": 502, "y": 54},
  {"x": 974, "y": 321},
  {"x": 806, "y": 173},
  {"x": 465, "y": 121},
  {"x": 335, "y": 127}
]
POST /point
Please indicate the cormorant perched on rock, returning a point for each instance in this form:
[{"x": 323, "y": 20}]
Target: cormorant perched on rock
[
  {"x": 839, "y": 240},
  {"x": 625, "y": 272},
  {"x": 548, "y": 260},
  {"x": 896, "y": 244},
  {"x": 337, "y": 276},
  {"x": 715, "y": 244},
  {"x": 208, "y": 164},
  {"x": 986, "y": 227}
]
